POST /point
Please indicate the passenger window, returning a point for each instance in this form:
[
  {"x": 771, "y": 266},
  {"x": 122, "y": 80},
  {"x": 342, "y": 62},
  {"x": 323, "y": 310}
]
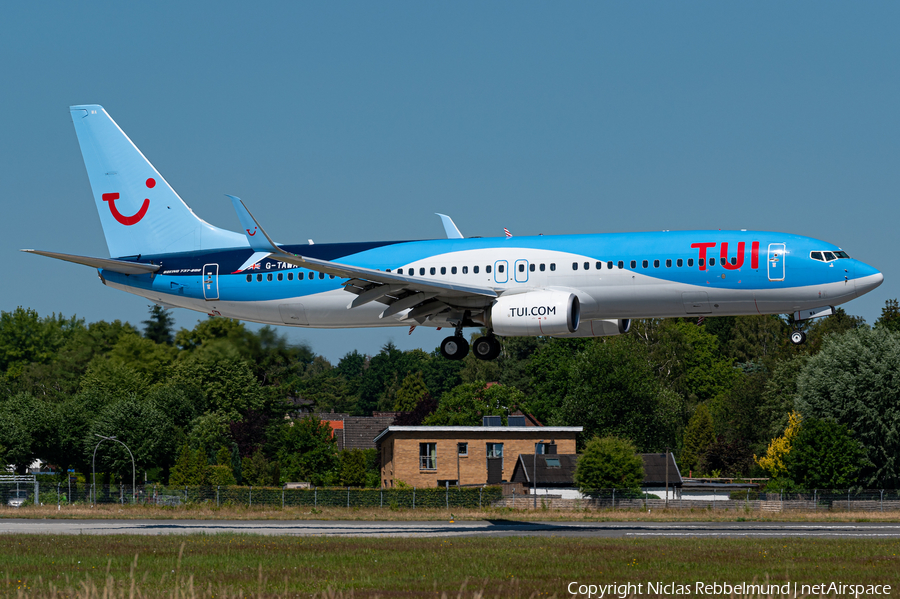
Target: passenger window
[
  {"x": 269, "y": 277},
  {"x": 656, "y": 264},
  {"x": 816, "y": 256},
  {"x": 531, "y": 267},
  {"x": 280, "y": 276},
  {"x": 587, "y": 265},
  {"x": 399, "y": 271},
  {"x": 690, "y": 261},
  {"x": 734, "y": 261},
  {"x": 543, "y": 267},
  {"x": 422, "y": 271},
  {"x": 552, "y": 266},
  {"x": 321, "y": 275},
  {"x": 475, "y": 270},
  {"x": 679, "y": 263},
  {"x": 500, "y": 268},
  {"x": 621, "y": 265},
  {"x": 609, "y": 265},
  {"x": 443, "y": 270},
  {"x": 712, "y": 261},
  {"x": 432, "y": 270},
  {"x": 828, "y": 256},
  {"x": 249, "y": 278},
  {"x": 699, "y": 261},
  {"x": 311, "y": 275},
  {"x": 668, "y": 264},
  {"x": 599, "y": 265},
  {"x": 634, "y": 264},
  {"x": 330, "y": 276},
  {"x": 452, "y": 270},
  {"x": 487, "y": 269},
  {"x": 290, "y": 276},
  {"x": 521, "y": 268},
  {"x": 644, "y": 264},
  {"x": 259, "y": 277},
  {"x": 574, "y": 266},
  {"x": 466, "y": 270}
]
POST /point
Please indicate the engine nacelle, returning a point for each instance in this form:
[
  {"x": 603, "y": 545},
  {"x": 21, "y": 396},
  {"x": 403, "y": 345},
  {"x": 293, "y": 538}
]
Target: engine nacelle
[
  {"x": 536, "y": 313},
  {"x": 600, "y": 328}
]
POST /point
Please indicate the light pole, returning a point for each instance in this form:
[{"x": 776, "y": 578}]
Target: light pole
[
  {"x": 534, "y": 477},
  {"x": 94, "y": 463}
]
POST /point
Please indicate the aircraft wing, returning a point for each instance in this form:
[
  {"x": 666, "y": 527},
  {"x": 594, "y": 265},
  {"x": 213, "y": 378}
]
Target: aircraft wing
[
  {"x": 426, "y": 296},
  {"x": 123, "y": 266}
]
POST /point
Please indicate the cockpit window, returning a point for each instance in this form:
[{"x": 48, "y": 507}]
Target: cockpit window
[{"x": 828, "y": 256}]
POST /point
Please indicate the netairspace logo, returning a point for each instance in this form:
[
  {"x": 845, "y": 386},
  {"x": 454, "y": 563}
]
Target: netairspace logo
[{"x": 623, "y": 590}]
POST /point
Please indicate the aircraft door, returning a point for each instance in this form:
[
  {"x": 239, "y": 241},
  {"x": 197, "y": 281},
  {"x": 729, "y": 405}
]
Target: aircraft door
[
  {"x": 211, "y": 281},
  {"x": 501, "y": 274},
  {"x": 776, "y": 261},
  {"x": 521, "y": 271}
]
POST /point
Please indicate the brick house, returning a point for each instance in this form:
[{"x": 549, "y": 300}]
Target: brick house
[
  {"x": 428, "y": 456},
  {"x": 356, "y": 432}
]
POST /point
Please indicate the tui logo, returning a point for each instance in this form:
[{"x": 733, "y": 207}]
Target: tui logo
[{"x": 137, "y": 216}]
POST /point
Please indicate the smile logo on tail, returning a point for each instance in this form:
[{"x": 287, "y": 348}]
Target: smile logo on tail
[
  {"x": 253, "y": 233},
  {"x": 134, "y": 218}
]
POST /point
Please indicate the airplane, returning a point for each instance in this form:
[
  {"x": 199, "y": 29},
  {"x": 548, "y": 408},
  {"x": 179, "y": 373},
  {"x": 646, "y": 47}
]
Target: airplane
[{"x": 545, "y": 285}]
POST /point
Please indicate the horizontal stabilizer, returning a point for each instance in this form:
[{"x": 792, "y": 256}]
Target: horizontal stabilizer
[{"x": 121, "y": 266}]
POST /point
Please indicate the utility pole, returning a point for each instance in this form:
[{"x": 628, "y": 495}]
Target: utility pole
[
  {"x": 534, "y": 473},
  {"x": 667, "y": 477}
]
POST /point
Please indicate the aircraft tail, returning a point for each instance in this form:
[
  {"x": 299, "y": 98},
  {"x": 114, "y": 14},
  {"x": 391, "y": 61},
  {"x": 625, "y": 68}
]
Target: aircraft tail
[{"x": 139, "y": 210}]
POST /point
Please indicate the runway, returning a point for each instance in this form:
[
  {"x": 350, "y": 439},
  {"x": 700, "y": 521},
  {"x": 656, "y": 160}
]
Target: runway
[{"x": 479, "y": 528}]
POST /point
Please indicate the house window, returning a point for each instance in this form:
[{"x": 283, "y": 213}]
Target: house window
[
  {"x": 462, "y": 449},
  {"x": 552, "y": 462},
  {"x": 427, "y": 456},
  {"x": 495, "y": 450}
]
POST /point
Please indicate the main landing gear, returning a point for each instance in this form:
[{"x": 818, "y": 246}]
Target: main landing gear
[
  {"x": 486, "y": 348},
  {"x": 457, "y": 348},
  {"x": 798, "y": 337}
]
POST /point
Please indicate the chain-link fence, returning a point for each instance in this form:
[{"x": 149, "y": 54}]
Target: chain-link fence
[
  {"x": 18, "y": 493},
  {"x": 433, "y": 497}
]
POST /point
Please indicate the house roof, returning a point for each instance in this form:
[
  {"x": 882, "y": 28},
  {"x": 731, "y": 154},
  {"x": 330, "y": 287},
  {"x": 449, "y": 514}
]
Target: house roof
[
  {"x": 655, "y": 470},
  {"x": 546, "y": 475},
  {"x": 544, "y": 430}
]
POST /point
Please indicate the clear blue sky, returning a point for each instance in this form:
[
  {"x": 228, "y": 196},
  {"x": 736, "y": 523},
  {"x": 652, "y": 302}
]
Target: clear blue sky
[{"x": 358, "y": 121}]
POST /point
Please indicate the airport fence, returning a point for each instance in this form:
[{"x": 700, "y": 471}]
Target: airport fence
[
  {"x": 224, "y": 496},
  {"x": 61, "y": 494}
]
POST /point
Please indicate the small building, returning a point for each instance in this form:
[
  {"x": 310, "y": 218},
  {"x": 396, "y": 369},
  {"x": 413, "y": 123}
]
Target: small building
[
  {"x": 357, "y": 432},
  {"x": 659, "y": 473},
  {"x": 428, "y": 456},
  {"x": 554, "y": 471}
]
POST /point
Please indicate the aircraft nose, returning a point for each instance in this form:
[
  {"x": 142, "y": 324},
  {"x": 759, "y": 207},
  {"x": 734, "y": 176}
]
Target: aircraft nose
[{"x": 867, "y": 278}]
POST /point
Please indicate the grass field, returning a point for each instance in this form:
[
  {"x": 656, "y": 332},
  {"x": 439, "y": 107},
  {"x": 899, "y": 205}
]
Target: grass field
[
  {"x": 249, "y": 565},
  {"x": 205, "y": 512}
]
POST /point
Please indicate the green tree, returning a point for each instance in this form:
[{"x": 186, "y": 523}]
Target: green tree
[
  {"x": 228, "y": 383},
  {"x": 191, "y": 468},
  {"x": 26, "y": 337},
  {"x": 257, "y": 471},
  {"x": 855, "y": 381},
  {"x": 305, "y": 449},
  {"x": 608, "y": 463},
  {"x": 147, "y": 432},
  {"x": 209, "y": 432},
  {"x": 890, "y": 316},
  {"x": 158, "y": 327},
  {"x": 824, "y": 455},
  {"x": 698, "y": 437},
  {"x": 410, "y": 393},
  {"x": 612, "y": 391},
  {"x": 468, "y": 403},
  {"x": 837, "y": 323},
  {"x": 354, "y": 467}
]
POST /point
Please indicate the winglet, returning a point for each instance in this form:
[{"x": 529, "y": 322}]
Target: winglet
[
  {"x": 450, "y": 227},
  {"x": 250, "y": 226}
]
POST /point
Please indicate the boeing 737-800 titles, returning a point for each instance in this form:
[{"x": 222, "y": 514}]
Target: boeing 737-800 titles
[{"x": 560, "y": 286}]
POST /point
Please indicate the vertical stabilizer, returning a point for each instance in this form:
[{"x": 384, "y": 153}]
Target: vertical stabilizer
[{"x": 139, "y": 211}]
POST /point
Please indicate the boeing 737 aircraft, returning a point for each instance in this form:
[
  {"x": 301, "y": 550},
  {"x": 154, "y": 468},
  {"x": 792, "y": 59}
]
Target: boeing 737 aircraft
[{"x": 560, "y": 286}]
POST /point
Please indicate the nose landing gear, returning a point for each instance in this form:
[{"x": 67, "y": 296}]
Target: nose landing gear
[{"x": 798, "y": 337}]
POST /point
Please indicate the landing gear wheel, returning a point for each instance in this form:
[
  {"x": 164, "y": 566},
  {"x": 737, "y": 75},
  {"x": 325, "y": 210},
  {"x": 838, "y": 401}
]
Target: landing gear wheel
[
  {"x": 486, "y": 348},
  {"x": 454, "y": 348},
  {"x": 798, "y": 337}
]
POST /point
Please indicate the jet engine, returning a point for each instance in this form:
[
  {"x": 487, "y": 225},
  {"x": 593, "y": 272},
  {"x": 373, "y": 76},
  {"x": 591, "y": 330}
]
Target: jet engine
[
  {"x": 601, "y": 328},
  {"x": 536, "y": 313}
]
